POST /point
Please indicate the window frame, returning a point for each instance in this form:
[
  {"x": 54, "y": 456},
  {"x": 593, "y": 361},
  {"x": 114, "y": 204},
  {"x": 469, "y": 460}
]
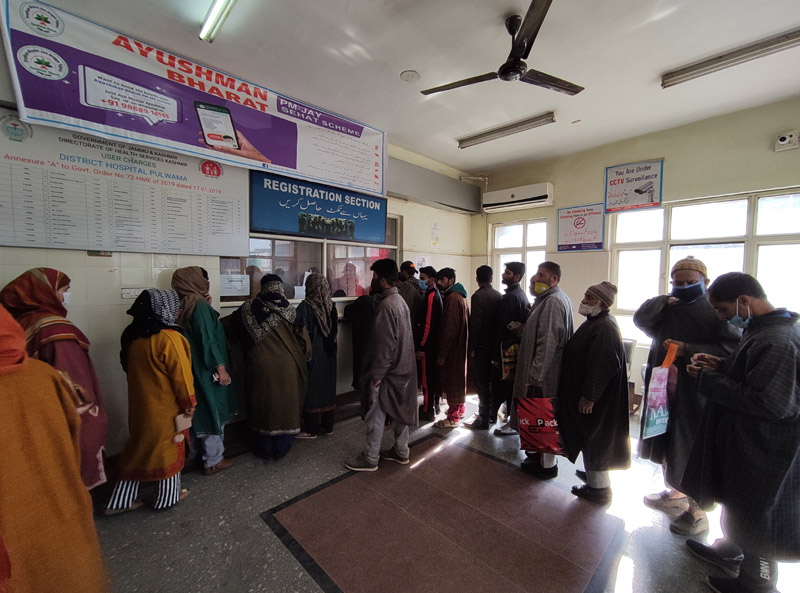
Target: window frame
[{"x": 523, "y": 248}]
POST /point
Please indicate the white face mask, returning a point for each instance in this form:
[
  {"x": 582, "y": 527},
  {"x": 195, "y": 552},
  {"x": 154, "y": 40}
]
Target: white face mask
[
  {"x": 590, "y": 311},
  {"x": 65, "y": 302}
]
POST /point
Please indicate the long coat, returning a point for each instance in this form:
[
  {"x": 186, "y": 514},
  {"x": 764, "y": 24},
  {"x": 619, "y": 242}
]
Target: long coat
[
  {"x": 594, "y": 367},
  {"x": 452, "y": 345},
  {"x": 747, "y": 452},
  {"x": 392, "y": 359},
  {"x": 361, "y": 314},
  {"x": 321, "y": 391},
  {"x": 513, "y": 307},
  {"x": 547, "y": 330},
  {"x": 697, "y": 325}
]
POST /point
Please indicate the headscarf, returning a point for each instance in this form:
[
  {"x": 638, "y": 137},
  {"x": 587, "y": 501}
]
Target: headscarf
[
  {"x": 192, "y": 285},
  {"x": 261, "y": 315},
  {"x": 152, "y": 311},
  {"x": 12, "y": 344},
  {"x": 32, "y": 298},
  {"x": 318, "y": 298}
]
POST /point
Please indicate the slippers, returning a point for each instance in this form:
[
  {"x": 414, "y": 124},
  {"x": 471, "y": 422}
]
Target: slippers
[
  {"x": 184, "y": 493},
  {"x": 446, "y": 423},
  {"x": 137, "y": 504}
]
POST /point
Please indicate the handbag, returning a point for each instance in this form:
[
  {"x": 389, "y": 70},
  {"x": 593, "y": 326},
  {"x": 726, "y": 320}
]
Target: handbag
[
  {"x": 538, "y": 424},
  {"x": 656, "y": 416},
  {"x": 509, "y": 350}
]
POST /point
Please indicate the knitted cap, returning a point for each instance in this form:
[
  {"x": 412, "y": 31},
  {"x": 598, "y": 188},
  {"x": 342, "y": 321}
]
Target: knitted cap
[
  {"x": 690, "y": 263},
  {"x": 605, "y": 291}
]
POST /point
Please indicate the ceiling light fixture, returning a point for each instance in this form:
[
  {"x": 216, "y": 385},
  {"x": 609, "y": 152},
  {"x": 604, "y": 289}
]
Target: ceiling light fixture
[
  {"x": 507, "y": 130},
  {"x": 216, "y": 16},
  {"x": 732, "y": 58}
]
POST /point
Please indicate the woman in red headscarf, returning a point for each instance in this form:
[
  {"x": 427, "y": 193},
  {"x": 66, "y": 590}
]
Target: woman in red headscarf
[{"x": 36, "y": 299}]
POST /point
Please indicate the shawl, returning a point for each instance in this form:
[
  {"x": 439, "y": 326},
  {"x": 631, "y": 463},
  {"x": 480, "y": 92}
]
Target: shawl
[
  {"x": 258, "y": 317},
  {"x": 152, "y": 311},
  {"x": 192, "y": 286},
  {"x": 318, "y": 298},
  {"x": 32, "y": 298},
  {"x": 12, "y": 344}
]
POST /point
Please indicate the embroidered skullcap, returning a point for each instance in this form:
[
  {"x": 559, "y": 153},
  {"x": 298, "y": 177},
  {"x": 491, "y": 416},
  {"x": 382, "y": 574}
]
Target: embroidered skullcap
[
  {"x": 605, "y": 291},
  {"x": 690, "y": 262}
]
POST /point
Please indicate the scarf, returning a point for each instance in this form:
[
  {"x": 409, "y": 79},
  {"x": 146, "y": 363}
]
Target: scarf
[
  {"x": 192, "y": 286},
  {"x": 32, "y": 299},
  {"x": 318, "y": 298},
  {"x": 258, "y": 317},
  {"x": 152, "y": 311},
  {"x": 12, "y": 344}
]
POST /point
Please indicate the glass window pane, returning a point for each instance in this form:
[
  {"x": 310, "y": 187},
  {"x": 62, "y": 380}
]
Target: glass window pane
[
  {"x": 640, "y": 225},
  {"x": 502, "y": 258},
  {"x": 532, "y": 261},
  {"x": 391, "y": 231},
  {"x": 639, "y": 277},
  {"x": 508, "y": 236},
  {"x": 782, "y": 288},
  {"x": 537, "y": 234},
  {"x": 721, "y": 258},
  {"x": 716, "y": 219},
  {"x": 262, "y": 247},
  {"x": 778, "y": 214},
  {"x": 355, "y": 252},
  {"x": 350, "y": 276},
  {"x": 629, "y": 331}
]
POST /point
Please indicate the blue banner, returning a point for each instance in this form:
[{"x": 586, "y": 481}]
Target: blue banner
[{"x": 292, "y": 207}]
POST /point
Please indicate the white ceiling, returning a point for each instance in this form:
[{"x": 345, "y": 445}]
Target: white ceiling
[{"x": 346, "y": 56}]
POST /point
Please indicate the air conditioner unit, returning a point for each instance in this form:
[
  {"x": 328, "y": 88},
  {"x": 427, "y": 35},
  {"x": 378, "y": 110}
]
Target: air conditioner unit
[{"x": 519, "y": 198}]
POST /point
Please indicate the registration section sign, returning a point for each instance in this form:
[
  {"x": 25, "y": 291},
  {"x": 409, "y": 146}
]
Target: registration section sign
[
  {"x": 633, "y": 186},
  {"x": 71, "y": 73},
  {"x": 581, "y": 228},
  {"x": 288, "y": 206}
]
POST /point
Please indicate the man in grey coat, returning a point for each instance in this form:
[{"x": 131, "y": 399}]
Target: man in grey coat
[
  {"x": 546, "y": 333},
  {"x": 745, "y": 455},
  {"x": 390, "y": 375}
]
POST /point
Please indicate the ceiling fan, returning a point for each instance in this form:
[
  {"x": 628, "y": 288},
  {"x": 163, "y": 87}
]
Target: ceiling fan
[{"x": 523, "y": 34}]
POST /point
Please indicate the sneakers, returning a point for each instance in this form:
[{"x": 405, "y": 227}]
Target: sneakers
[
  {"x": 392, "y": 455},
  {"x": 221, "y": 466},
  {"x": 535, "y": 469},
  {"x": 662, "y": 501},
  {"x": 502, "y": 413},
  {"x": 728, "y": 585},
  {"x": 601, "y": 496},
  {"x": 360, "y": 464},
  {"x": 477, "y": 422},
  {"x": 727, "y": 560},
  {"x": 505, "y": 431},
  {"x": 686, "y": 524},
  {"x": 304, "y": 436}
]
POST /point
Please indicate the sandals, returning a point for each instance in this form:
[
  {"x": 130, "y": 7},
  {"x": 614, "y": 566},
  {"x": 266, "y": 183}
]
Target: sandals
[
  {"x": 446, "y": 423},
  {"x": 137, "y": 504}
]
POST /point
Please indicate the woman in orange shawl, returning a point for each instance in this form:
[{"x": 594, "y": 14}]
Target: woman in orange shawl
[
  {"x": 48, "y": 540},
  {"x": 36, "y": 299}
]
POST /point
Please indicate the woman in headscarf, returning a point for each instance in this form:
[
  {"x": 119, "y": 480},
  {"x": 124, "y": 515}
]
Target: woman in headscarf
[
  {"x": 47, "y": 536},
  {"x": 276, "y": 353},
  {"x": 216, "y": 400},
  {"x": 317, "y": 314},
  {"x": 37, "y": 300},
  {"x": 160, "y": 389}
]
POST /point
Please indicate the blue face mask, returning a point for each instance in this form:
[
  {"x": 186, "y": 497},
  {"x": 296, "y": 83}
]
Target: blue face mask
[
  {"x": 690, "y": 293},
  {"x": 423, "y": 284},
  {"x": 737, "y": 321}
]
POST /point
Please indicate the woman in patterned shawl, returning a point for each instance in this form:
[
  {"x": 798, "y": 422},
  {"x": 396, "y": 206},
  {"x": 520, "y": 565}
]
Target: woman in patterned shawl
[
  {"x": 36, "y": 299},
  {"x": 275, "y": 354}
]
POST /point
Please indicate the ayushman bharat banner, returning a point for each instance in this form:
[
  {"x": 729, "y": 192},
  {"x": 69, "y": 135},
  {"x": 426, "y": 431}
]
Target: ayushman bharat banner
[{"x": 71, "y": 73}]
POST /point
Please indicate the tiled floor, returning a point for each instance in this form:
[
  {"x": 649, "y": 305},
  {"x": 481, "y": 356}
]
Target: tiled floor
[{"x": 216, "y": 540}]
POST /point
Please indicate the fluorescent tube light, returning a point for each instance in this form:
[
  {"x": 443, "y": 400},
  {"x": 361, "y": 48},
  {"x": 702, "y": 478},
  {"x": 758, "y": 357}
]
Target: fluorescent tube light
[
  {"x": 214, "y": 19},
  {"x": 733, "y": 58},
  {"x": 507, "y": 130}
]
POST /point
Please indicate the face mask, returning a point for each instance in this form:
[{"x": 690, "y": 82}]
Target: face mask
[
  {"x": 65, "y": 302},
  {"x": 590, "y": 310},
  {"x": 375, "y": 286},
  {"x": 423, "y": 284},
  {"x": 540, "y": 287},
  {"x": 737, "y": 321},
  {"x": 689, "y": 294}
]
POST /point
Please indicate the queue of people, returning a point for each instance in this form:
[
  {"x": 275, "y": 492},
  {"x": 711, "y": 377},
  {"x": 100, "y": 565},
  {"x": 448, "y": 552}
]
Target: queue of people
[{"x": 734, "y": 409}]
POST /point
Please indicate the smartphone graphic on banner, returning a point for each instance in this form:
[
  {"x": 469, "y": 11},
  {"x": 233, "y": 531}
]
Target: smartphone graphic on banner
[{"x": 217, "y": 125}]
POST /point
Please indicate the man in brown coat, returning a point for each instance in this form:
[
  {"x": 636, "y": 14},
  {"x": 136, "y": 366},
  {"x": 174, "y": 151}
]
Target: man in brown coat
[{"x": 451, "y": 356}]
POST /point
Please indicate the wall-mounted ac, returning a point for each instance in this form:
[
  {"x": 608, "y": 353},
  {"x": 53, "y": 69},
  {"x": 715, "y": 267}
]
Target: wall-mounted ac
[{"x": 518, "y": 198}]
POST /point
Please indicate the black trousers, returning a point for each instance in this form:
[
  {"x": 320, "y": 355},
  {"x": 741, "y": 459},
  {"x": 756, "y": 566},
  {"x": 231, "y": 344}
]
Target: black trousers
[
  {"x": 313, "y": 422},
  {"x": 487, "y": 383}
]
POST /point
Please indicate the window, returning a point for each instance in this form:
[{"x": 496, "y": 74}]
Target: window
[
  {"x": 525, "y": 242},
  {"x": 756, "y": 234},
  {"x": 350, "y": 276}
]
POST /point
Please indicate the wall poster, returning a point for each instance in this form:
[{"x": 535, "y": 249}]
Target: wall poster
[
  {"x": 634, "y": 186},
  {"x": 581, "y": 228}
]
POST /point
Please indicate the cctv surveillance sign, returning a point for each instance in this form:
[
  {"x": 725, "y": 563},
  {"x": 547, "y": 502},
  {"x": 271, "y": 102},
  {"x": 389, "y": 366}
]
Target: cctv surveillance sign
[{"x": 633, "y": 186}]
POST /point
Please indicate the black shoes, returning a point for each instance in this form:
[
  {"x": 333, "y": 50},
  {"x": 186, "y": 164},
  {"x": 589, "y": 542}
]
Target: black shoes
[
  {"x": 535, "y": 469},
  {"x": 477, "y": 423},
  {"x": 601, "y": 496},
  {"x": 726, "y": 558}
]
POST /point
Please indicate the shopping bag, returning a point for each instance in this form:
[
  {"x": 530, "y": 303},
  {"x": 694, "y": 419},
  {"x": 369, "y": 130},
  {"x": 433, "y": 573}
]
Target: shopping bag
[
  {"x": 538, "y": 427},
  {"x": 508, "y": 357},
  {"x": 656, "y": 416}
]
